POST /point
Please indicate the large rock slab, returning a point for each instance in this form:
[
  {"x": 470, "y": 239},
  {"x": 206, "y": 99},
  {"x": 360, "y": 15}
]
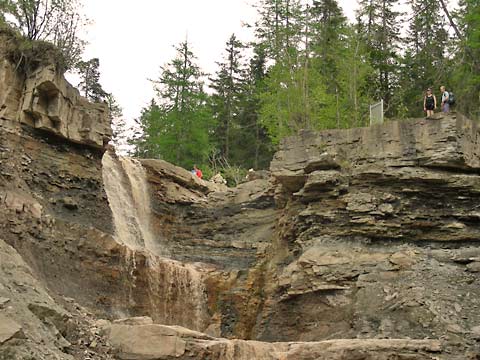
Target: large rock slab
[{"x": 150, "y": 342}]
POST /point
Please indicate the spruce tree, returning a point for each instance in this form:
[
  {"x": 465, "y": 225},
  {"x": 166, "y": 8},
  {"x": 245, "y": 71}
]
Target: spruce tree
[
  {"x": 380, "y": 24},
  {"x": 177, "y": 128},
  {"x": 329, "y": 48},
  {"x": 90, "y": 80},
  {"x": 466, "y": 77},
  {"x": 294, "y": 96},
  {"x": 228, "y": 85},
  {"x": 252, "y": 143},
  {"x": 425, "y": 61}
]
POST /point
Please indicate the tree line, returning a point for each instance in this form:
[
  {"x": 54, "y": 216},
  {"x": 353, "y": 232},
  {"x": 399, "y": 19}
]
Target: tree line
[{"x": 308, "y": 68}]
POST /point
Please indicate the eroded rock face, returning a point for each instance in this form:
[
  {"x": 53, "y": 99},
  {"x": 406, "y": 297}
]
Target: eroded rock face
[
  {"x": 43, "y": 99},
  {"x": 368, "y": 235},
  {"x": 375, "y": 222}
]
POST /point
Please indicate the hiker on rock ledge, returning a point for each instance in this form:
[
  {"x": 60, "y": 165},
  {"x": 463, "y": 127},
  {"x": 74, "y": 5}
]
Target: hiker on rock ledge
[
  {"x": 445, "y": 100},
  {"x": 429, "y": 103}
]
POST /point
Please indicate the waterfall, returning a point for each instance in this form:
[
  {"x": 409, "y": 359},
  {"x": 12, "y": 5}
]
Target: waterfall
[
  {"x": 176, "y": 291},
  {"x": 141, "y": 202},
  {"x": 129, "y": 226}
]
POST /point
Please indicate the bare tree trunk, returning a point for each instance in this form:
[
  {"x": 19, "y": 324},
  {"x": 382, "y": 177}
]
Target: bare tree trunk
[
  {"x": 355, "y": 75},
  {"x": 457, "y": 31},
  {"x": 305, "y": 74}
]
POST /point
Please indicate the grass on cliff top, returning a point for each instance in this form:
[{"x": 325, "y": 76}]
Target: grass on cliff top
[{"x": 28, "y": 55}]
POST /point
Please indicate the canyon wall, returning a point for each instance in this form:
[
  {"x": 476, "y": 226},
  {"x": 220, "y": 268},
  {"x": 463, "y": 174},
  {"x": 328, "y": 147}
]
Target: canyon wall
[{"x": 362, "y": 243}]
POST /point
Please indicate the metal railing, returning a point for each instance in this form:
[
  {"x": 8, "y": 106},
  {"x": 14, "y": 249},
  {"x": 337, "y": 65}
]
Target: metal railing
[{"x": 376, "y": 113}]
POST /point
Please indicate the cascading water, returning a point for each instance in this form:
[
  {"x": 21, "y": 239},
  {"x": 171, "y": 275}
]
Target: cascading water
[
  {"x": 128, "y": 231},
  {"x": 176, "y": 291}
]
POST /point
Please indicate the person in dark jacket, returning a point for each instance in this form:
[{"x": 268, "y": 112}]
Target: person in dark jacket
[{"x": 429, "y": 103}]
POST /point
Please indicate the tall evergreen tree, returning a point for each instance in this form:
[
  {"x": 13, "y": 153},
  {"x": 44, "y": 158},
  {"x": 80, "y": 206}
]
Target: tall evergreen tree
[
  {"x": 253, "y": 146},
  {"x": 278, "y": 28},
  {"x": 425, "y": 61},
  {"x": 329, "y": 46},
  {"x": 177, "y": 128},
  {"x": 90, "y": 80},
  {"x": 294, "y": 95},
  {"x": 228, "y": 85},
  {"x": 354, "y": 74},
  {"x": 380, "y": 24},
  {"x": 466, "y": 77}
]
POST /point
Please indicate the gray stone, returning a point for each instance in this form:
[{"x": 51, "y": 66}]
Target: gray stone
[
  {"x": 145, "y": 342},
  {"x": 9, "y": 329},
  {"x": 3, "y": 302},
  {"x": 70, "y": 203}
]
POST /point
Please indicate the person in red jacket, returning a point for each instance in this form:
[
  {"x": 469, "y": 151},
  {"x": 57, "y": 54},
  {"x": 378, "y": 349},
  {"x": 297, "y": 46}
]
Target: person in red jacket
[{"x": 198, "y": 172}]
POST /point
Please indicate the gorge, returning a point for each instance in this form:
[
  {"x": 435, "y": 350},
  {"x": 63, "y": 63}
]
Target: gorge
[{"x": 360, "y": 244}]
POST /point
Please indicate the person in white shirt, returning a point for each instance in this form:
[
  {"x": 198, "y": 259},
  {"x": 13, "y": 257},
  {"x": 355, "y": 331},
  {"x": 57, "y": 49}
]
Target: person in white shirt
[{"x": 445, "y": 98}]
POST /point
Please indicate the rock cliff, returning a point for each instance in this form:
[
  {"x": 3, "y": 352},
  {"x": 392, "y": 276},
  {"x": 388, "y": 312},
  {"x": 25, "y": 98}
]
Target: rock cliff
[{"x": 362, "y": 243}]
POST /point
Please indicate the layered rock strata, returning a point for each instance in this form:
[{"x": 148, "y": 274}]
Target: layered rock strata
[
  {"x": 42, "y": 99},
  {"x": 365, "y": 235},
  {"x": 378, "y": 235}
]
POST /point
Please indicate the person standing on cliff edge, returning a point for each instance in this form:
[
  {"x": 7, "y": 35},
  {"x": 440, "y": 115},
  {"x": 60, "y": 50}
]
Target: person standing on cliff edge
[
  {"x": 445, "y": 100},
  {"x": 429, "y": 103}
]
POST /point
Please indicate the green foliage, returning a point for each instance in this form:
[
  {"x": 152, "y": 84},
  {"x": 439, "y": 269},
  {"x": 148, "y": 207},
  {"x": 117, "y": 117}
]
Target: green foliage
[
  {"x": 285, "y": 108},
  {"x": 29, "y": 55},
  {"x": 465, "y": 81},
  {"x": 424, "y": 63},
  {"x": 233, "y": 174},
  {"x": 90, "y": 81},
  {"x": 228, "y": 85},
  {"x": 380, "y": 24},
  {"x": 178, "y": 127},
  {"x": 311, "y": 69},
  {"x": 54, "y": 21}
]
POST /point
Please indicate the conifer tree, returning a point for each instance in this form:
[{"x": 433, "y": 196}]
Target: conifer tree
[
  {"x": 90, "y": 80},
  {"x": 294, "y": 95},
  {"x": 177, "y": 128},
  {"x": 228, "y": 85},
  {"x": 252, "y": 144},
  {"x": 466, "y": 76},
  {"x": 425, "y": 62},
  {"x": 329, "y": 49},
  {"x": 380, "y": 24}
]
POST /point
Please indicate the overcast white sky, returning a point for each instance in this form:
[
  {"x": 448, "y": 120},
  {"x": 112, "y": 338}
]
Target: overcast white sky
[{"x": 132, "y": 40}]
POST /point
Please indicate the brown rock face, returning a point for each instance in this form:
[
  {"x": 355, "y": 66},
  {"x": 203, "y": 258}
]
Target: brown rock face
[
  {"x": 359, "y": 244},
  {"x": 42, "y": 99},
  {"x": 372, "y": 219}
]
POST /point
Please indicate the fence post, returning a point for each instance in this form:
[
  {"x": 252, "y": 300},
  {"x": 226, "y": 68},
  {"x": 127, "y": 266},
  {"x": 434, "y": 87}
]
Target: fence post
[{"x": 376, "y": 113}]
